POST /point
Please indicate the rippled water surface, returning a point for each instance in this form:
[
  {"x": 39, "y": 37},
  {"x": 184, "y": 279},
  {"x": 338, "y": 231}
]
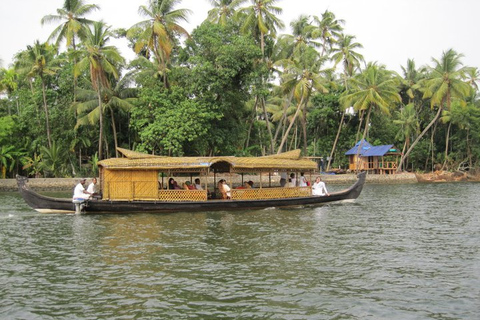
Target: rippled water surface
[{"x": 398, "y": 252}]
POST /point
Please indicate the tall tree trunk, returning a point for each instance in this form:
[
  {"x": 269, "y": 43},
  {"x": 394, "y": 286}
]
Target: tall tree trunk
[
  {"x": 335, "y": 141},
  {"x": 365, "y": 132},
  {"x": 359, "y": 125},
  {"x": 114, "y": 130},
  {"x": 299, "y": 106},
  {"x": 284, "y": 115},
  {"x": 47, "y": 121},
  {"x": 254, "y": 112},
  {"x": 437, "y": 116},
  {"x": 100, "y": 138},
  {"x": 269, "y": 129},
  {"x": 447, "y": 138},
  {"x": 432, "y": 145}
]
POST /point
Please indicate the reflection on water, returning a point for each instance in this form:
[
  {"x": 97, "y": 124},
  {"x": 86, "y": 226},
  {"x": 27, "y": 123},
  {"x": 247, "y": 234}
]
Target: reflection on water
[{"x": 398, "y": 252}]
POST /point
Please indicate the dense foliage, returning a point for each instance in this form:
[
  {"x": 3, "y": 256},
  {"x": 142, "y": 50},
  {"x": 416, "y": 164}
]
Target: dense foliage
[{"x": 231, "y": 87}]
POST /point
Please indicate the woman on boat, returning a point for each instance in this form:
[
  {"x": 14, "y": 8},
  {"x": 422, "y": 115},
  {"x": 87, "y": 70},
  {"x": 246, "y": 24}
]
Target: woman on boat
[
  {"x": 292, "y": 182},
  {"x": 319, "y": 188},
  {"x": 303, "y": 181}
]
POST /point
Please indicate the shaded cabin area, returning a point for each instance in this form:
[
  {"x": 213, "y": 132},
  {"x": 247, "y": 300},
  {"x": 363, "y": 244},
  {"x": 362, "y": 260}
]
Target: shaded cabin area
[
  {"x": 373, "y": 159},
  {"x": 139, "y": 176}
]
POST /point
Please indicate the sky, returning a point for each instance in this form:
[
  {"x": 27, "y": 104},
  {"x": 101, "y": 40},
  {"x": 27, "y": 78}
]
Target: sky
[{"x": 391, "y": 31}]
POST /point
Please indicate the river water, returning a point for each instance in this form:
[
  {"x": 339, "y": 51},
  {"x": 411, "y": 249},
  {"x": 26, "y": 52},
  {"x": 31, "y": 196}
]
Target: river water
[{"x": 399, "y": 252}]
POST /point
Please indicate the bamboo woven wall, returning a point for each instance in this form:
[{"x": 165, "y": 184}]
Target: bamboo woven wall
[
  {"x": 182, "y": 195},
  {"x": 270, "y": 193},
  {"x": 130, "y": 185}
]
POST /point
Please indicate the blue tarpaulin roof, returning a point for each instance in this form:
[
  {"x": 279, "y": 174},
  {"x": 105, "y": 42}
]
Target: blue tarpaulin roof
[{"x": 367, "y": 150}]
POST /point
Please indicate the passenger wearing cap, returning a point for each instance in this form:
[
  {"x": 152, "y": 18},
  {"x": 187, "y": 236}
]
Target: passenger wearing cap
[{"x": 79, "y": 193}]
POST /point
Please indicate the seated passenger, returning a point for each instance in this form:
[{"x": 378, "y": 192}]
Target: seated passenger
[
  {"x": 303, "y": 180},
  {"x": 171, "y": 184},
  {"x": 224, "y": 189},
  {"x": 319, "y": 188},
  {"x": 244, "y": 186},
  {"x": 198, "y": 186},
  {"x": 188, "y": 186},
  {"x": 292, "y": 182}
]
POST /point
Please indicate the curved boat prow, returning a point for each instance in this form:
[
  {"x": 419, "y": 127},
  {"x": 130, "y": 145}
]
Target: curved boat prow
[
  {"x": 356, "y": 189},
  {"x": 40, "y": 202}
]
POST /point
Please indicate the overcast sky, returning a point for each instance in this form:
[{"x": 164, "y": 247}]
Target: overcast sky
[{"x": 391, "y": 31}]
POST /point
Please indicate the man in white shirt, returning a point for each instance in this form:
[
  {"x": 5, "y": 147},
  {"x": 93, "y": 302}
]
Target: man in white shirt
[
  {"x": 319, "y": 188},
  {"x": 92, "y": 187},
  {"x": 79, "y": 193},
  {"x": 198, "y": 186}
]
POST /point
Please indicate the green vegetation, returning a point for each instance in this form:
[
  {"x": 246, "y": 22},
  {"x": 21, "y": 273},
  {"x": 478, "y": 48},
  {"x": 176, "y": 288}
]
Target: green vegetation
[{"x": 234, "y": 86}]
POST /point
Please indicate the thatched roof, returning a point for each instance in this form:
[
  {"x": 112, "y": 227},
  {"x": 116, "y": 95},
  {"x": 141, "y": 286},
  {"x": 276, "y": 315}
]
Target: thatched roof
[{"x": 288, "y": 161}]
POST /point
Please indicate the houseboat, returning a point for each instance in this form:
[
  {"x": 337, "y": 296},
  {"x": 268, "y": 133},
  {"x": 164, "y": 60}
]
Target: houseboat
[{"x": 138, "y": 182}]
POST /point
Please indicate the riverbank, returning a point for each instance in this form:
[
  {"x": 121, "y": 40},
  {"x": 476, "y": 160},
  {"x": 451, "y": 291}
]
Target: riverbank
[{"x": 61, "y": 184}]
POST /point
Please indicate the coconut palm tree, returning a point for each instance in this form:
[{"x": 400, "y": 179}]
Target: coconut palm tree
[
  {"x": 39, "y": 61},
  {"x": 344, "y": 53},
  {"x": 445, "y": 81},
  {"x": 375, "y": 88},
  {"x": 223, "y": 10},
  {"x": 7, "y": 159},
  {"x": 260, "y": 19},
  {"x": 303, "y": 75},
  {"x": 328, "y": 29},
  {"x": 9, "y": 84},
  {"x": 102, "y": 61},
  {"x": 120, "y": 98},
  {"x": 408, "y": 120},
  {"x": 73, "y": 22},
  {"x": 158, "y": 33},
  {"x": 72, "y": 26},
  {"x": 296, "y": 43}
]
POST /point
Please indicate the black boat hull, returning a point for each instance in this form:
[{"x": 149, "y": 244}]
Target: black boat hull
[{"x": 46, "y": 204}]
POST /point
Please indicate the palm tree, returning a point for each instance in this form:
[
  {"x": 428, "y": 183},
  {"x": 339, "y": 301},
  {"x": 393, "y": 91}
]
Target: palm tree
[
  {"x": 72, "y": 14},
  {"x": 39, "y": 61},
  {"x": 374, "y": 88},
  {"x": 303, "y": 75},
  {"x": 102, "y": 61},
  {"x": 444, "y": 83},
  {"x": 328, "y": 29},
  {"x": 473, "y": 76},
  {"x": 296, "y": 43},
  {"x": 9, "y": 84},
  {"x": 120, "y": 98},
  {"x": 408, "y": 120},
  {"x": 344, "y": 52},
  {"x": 72, "y": 25},
  {"x": 54, "y": 160},
  {"x": 7, "y": 159},
  {"x": 158, "y": 33},
  {"x": 261, "y": 19},
  {"x": 223, "y": 10}
]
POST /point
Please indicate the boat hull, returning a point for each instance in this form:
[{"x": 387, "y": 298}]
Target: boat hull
[{"x": 46, "y": 204}]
